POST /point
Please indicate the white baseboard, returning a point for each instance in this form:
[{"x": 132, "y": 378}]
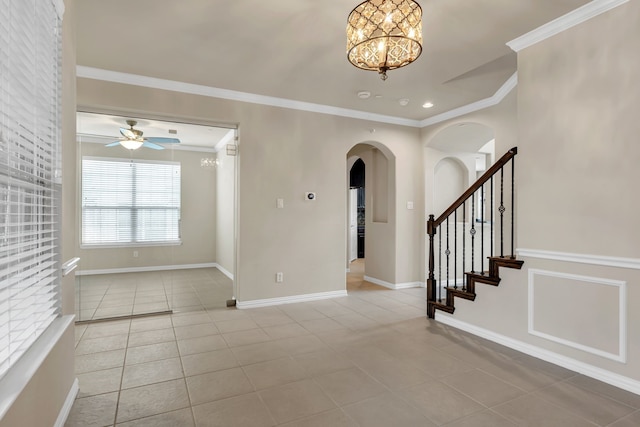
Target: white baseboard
[
  {"x": 68, "y": 403},
  {"x": 225, "y": 271},
  {"x": 600, "y": 374},
  {"x": 289, "y": 300},
  {"x": 394, "y": 286},
  {"x": 144, "y": 269},
  {"x": 409, "y": 285}
]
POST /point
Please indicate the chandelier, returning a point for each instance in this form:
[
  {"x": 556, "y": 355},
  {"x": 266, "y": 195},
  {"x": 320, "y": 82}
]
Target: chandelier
[{"x": 384, "y": 35}]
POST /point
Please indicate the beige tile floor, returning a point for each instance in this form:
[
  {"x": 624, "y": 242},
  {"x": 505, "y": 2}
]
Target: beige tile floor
[
  {"x": 114, "y": 295},
  {"x": 369, "y": 359}
]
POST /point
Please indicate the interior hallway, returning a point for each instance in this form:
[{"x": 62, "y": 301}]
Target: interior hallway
[{"x": 369, "y": 359}]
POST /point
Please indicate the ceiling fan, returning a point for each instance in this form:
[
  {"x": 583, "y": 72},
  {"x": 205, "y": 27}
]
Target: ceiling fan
[{"x": 133, "y": 139}]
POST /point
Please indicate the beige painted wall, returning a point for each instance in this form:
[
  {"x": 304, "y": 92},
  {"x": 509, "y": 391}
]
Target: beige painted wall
[
  {"x": 577, "y": 106},
  {"x": 198, "y": 214},
  {"x": 285, "y": 153},
  {"x": 451, "y": 179},
  {"x": 225, "y": 211}
]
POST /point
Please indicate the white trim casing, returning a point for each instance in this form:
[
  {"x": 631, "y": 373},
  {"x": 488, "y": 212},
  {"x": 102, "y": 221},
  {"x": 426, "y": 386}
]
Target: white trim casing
[
  {"x": 600, "y": 374},
  {"x": 563, "y": 23},
  {"x": 609, "y": 261},
  {"x": 68, "y": 403},
  {"x": 394, "y": 286},
  {"x": 290, "y": 300},
  {"x": 622, "y": 321},
  {"x": 144, "y": 269}
]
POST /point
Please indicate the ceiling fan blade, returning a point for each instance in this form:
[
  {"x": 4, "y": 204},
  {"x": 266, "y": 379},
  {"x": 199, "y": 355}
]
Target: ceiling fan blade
[
  {"x": 160, "y": 140},
  {"x": 127, "y": 133},
  {"x": 152, "y": 145},
  {"x": 113, "y": 144}
]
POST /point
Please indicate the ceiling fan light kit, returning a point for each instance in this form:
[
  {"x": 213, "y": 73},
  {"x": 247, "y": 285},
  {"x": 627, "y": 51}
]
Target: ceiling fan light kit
[
  {"x": 131, "y": 144},
  {"x": 133, "y": 139},
  {"x": 383, "y": 35}
]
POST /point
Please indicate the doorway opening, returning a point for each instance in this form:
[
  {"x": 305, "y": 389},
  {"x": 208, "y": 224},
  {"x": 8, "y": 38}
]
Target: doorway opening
[
  {"x": 357, "y": 197},
  {"x": 153, "y": 241}
]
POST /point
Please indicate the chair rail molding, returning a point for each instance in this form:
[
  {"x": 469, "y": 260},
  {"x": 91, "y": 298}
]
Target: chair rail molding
[{"x": 609, "y": 261}]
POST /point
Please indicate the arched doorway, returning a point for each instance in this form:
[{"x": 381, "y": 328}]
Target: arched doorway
[{"x": 371, "y": 218}]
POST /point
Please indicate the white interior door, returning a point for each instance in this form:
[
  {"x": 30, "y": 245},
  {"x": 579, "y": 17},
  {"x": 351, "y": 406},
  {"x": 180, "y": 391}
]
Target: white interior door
[{"x": 353, "y": 224}]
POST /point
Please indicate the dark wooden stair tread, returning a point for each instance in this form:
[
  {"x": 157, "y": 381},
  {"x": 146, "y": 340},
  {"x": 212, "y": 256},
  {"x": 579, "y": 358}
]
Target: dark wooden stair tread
[
  {"x": 491, "y": 277},
  {"x": 459, "y": 292},
  {"x": 483, "y": 277},
  {"x": 440, "y": 306},
  {"x": 507, "y": 261}
]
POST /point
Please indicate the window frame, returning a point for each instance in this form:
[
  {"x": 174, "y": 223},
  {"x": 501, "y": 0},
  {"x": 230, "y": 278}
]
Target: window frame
[{"x": 132, "y": 243}]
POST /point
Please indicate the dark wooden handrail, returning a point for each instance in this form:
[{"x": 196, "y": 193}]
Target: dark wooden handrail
[
  {"x": 479, "y": 183},
  {"x": 433, "y": 224}
]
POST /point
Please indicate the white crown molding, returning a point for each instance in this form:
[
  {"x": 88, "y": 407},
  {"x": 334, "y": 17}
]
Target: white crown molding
[
  {"x": 59, "y": 5},
  {"x": 145, "y": 269},
  {"x": 600, "y": 374},
  {"x": 290, "y": 300},
  {"x": 68, "y": 403},
  {"x": 175, "y": 86},
  {"x": 621, "y": 356},
  {"x": 609, "y": 261},
  {"x": 497, "y": 97},
  {"x": 212, "y": 92},
  {"x": 563, "y": 23}
]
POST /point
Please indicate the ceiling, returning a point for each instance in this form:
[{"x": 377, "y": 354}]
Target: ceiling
[
  {"x": 295, "y": 49},
  {"x": 105, "y": 128}
]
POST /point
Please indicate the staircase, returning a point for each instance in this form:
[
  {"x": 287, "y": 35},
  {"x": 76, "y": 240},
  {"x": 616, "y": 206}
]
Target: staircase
[{"x": 472, "y": 204}]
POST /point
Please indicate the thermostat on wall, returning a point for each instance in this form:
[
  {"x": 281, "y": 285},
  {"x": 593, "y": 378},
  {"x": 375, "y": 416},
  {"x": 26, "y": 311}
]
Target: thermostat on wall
[{"x": 310, "y": 196}]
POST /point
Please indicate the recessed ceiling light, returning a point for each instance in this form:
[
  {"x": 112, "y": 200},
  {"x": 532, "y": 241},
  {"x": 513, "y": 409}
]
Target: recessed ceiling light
[
  {"x": 404, "y": 102},
  {"x": 427, "y": 104},
  {"x": 378, "y": 96},
  {"x": 364, "y": 94}
]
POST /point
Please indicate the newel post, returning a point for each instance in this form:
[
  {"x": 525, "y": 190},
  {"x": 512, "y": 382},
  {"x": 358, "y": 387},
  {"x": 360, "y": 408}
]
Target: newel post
[{"x": 431, "y": 280}]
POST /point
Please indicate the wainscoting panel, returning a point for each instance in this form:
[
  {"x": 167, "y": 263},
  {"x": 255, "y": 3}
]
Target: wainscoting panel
[{"x": 587, "y": 313}]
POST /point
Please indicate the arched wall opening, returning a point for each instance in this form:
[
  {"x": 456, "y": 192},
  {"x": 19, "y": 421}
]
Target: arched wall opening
[
  {"x": 455, "y": 157},
  {"x": 377, "y": 225}
]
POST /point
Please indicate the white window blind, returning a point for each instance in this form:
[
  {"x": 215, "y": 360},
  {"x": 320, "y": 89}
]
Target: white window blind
[
  {"x": 130, "y": 202},
  {"x": 30, "y": 67}
]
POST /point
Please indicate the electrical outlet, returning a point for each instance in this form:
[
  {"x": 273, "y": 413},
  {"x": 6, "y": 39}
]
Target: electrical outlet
[
  {"x": 135, "y": 254},
  {"x": 279, "y": 277}
]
